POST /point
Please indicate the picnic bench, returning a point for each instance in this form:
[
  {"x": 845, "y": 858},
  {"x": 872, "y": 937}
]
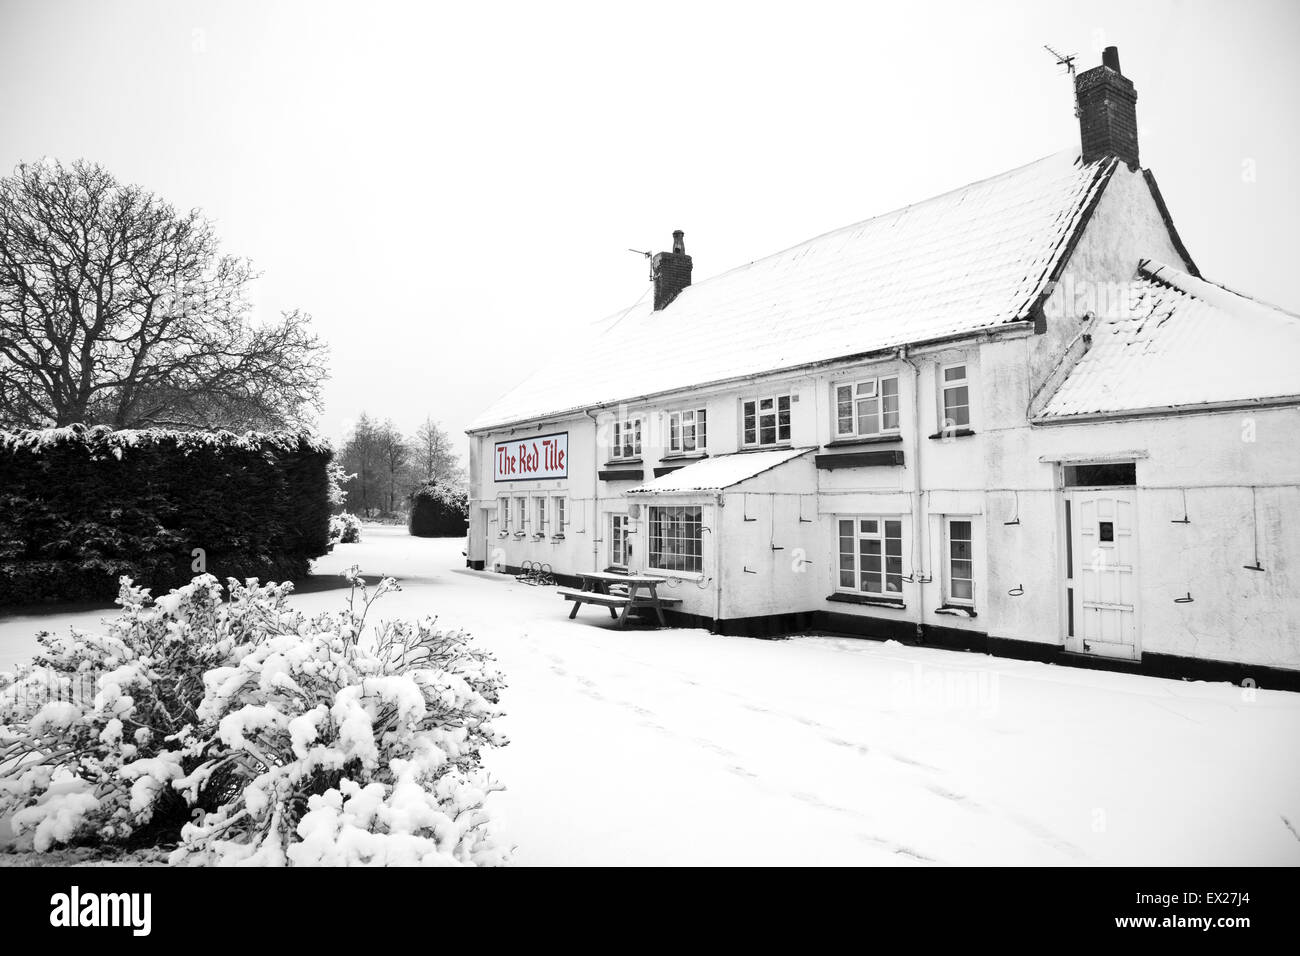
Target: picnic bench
[{"x": 621, "y": 593}]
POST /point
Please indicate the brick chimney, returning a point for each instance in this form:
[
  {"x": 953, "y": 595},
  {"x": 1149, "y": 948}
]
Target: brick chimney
[
  {"x": 671, "y": 271},
  {"x": 1107, "y": 104}
]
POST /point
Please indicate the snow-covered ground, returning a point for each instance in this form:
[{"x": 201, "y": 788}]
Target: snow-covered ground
[{"x": 680, "y": 747}]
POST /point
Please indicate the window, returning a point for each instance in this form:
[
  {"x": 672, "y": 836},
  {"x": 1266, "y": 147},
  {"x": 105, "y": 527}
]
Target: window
[
  {"x": 503, "y": 514},
  {"x": 540, "y": 526},
  {"x": 956, "y": 397},
  {"x": 675, "y": 539},
  {"x": 871, "y": 556},
  {"x": 521, "y": 511},
  {"x": 868, "y": 407},
  {"x": 766, "y": 420},
  {"x": 961, "y": 574},
  {"x": 618, "y": 549},
  {"x": 627, "y": 439},
  {"x": 1107, "y": 474},
  {"x": 558, "y": 509},
  {"x": 687, "y": 431}
]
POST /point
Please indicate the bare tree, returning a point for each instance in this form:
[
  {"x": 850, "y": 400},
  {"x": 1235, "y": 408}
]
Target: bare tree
[
  {"x": 116, "y": 309},
  {"x": 435, "y": 459},
  {"x": 394, "y": 453},
  {"x": 361, "y": 457}
]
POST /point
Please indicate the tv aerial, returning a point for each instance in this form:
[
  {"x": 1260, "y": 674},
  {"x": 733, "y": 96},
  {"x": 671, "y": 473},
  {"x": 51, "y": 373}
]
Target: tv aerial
[
  {"x": 1066, "y": 60},
  {"x": 1062, "y": 59}
]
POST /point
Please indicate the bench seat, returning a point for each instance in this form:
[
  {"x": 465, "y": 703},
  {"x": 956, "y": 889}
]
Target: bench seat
[{"x": 593, "y": 597}]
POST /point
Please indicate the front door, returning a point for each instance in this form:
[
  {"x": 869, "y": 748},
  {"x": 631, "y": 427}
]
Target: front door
[{"x": 1101, "y": 585}]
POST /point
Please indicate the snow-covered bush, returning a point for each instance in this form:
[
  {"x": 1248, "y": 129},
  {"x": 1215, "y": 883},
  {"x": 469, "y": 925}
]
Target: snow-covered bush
[
  {"x": 438, "y": 511},
  {"x": 241, "y": 732},
  {"x": 345, "y": 528}
]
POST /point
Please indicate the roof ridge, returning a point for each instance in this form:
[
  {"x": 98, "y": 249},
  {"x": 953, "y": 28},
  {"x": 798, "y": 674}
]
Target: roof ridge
[
  {"x": 892, "y": 212},
  {"x": 1159, "y": 271}
]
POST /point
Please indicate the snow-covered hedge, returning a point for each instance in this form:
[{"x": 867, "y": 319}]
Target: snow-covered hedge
[
  {"x": 81, "y": 507},
  {"x": 438, "y": 511},
  {"x": 345, "y": 528},
  {"x": 241, "y": 732}
]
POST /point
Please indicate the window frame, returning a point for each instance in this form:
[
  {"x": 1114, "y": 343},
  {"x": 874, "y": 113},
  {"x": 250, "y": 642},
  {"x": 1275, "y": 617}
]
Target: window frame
[
  {"x": 624, "y": 424},
  {"x": 559, "y": 513},
  {"x": 503, "y": 513},
  {"x": 880, "y": 534},
  {"x": 775, "y": 414},
  {"x": 948, "y": 558},
  {"x": 521, "y": 505},
  {"x": 540, "y": 514},
  {"x": 699, "y": 424},
  {"x": 681, "y": 518},
  {"x": 615, "y": 520},
  {"x": 877, "y": 383},
  {"x": 945, "y": 386}
]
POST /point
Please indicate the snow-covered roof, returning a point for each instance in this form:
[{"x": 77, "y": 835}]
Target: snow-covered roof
[
  {"x": 1183, "y": 342},
  {"x": 970, "y": 259},
  {"x": 722, "y": 471}
]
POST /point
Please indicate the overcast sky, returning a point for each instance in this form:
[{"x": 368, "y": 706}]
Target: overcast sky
[{"x": 451, "y": 189}]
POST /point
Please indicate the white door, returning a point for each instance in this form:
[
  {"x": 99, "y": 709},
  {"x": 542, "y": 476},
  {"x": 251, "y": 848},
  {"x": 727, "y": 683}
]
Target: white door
[{"x": 1101, "y": 584}]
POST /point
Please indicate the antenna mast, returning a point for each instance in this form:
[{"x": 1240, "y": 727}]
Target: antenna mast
[{"x": 1066, "y": 60}]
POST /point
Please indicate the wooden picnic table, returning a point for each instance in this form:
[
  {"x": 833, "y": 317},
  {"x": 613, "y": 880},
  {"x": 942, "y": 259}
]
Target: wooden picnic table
[{"x": 621, "y": 593}]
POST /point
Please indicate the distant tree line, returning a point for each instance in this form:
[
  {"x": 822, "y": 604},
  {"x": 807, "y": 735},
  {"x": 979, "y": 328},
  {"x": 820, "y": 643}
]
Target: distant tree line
[{"x": 384, "y": 467}]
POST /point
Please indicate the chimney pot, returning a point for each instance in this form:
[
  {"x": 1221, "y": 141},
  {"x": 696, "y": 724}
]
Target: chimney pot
[
  {"x": 679, "y": 242},
  {"x": 1110, "y": 58}
]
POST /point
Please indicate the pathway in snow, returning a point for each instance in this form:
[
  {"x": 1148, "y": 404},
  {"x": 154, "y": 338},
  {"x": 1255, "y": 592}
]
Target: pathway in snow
[{"x": 680, "y": 747}]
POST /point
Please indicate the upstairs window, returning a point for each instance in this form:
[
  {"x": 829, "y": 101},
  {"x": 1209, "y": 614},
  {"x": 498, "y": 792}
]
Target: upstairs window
[
  {"x": 766, "y": 421},
  {"x": 871, "y": 556},
  {"x": 560, "y": 504},
  {"x": 867, "y": 407},
  {"x": 956, "y": 396},
  {"x": 627, "y": 439},
  {"x": 540, "y": 526},
  {"x": 521, "y": 513},
  {"x": 503, "y": 514},
  {"x": 687, "y": 431}
]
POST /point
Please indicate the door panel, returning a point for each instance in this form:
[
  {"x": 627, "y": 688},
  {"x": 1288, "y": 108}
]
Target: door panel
[{"x": 1103, "y": 559}]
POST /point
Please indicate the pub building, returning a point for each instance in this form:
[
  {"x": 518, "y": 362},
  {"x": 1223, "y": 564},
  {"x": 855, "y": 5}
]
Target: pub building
[{"x": 1013, "y": 418}]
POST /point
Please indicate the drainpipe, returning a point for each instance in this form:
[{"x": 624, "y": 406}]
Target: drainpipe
[
  {"x": 920, "y": 530},
  {"x": 595, "y": 492},
  {"x": 717, "y": 562}
]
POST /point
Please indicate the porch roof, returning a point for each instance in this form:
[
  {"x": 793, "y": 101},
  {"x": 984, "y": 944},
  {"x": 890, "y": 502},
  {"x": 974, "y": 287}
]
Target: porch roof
[{"x": 722, "y": 471}]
